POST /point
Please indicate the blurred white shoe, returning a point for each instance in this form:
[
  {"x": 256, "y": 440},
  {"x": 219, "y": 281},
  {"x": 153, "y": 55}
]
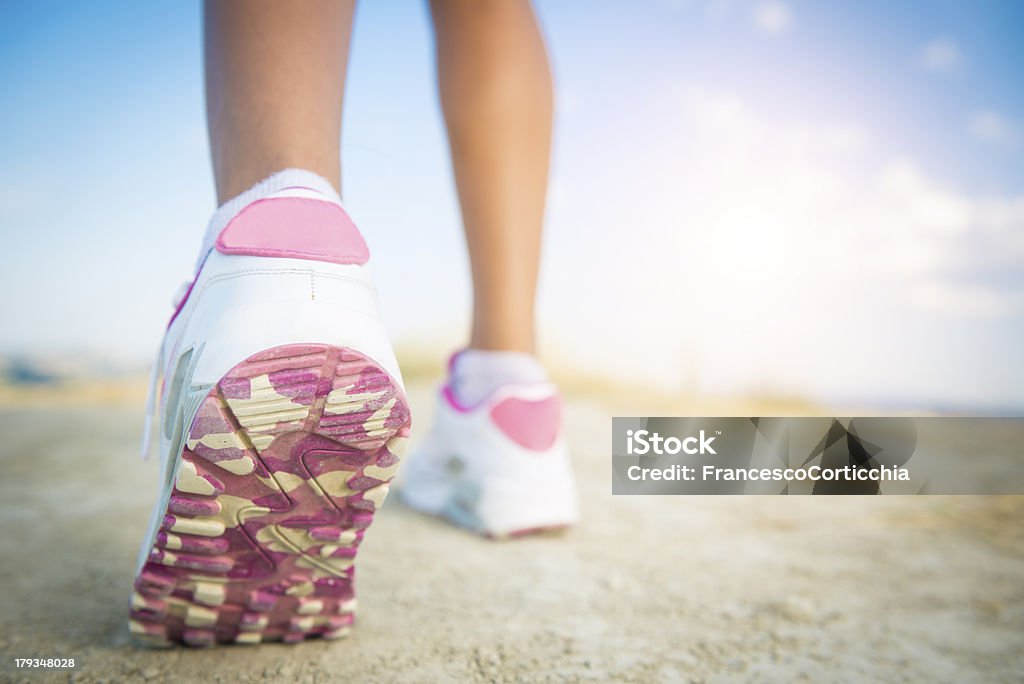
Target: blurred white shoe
[{"x": 500, "y": 468}]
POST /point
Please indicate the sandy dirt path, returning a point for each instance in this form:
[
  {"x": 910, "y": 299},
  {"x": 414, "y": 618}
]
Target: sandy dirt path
[{"x": 647, "y": 589}]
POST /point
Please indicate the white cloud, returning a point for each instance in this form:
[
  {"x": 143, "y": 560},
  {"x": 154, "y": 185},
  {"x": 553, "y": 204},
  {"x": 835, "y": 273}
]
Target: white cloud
[
  {"x": 772, "y": 17},
  {"x": 966, "y": 299},
  {"x": 919, "y": 204},
  {"x": 993, "y": 127},
  {"x": 941, "y": 55},
  {"x": 813, "y": 188},
  {"x": 843, "y": 137}
]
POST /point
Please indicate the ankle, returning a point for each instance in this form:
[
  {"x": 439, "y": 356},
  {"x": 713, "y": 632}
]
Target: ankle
[{"x": 514, "y": 339}]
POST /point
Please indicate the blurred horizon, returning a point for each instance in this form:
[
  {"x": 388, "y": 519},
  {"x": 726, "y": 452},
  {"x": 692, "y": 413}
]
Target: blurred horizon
[{"x": 823, "y": 200}]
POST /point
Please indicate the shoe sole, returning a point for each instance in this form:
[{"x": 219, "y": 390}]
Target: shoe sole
[
  {"x": 285, "y": 464},
  {"x": 463, "y": 523}
]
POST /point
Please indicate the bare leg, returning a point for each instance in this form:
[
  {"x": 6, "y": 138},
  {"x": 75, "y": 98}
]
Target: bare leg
[
  {"x": 496, "y": 94},
  {"x": 275, "y": 76}
]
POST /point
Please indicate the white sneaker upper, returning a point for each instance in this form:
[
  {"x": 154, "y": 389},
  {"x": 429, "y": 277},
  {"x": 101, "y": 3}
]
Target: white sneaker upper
[{"x": 500, "y": 468}]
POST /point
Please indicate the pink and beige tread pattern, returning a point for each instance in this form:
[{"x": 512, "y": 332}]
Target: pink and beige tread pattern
[{"x": 285, "y": 464}]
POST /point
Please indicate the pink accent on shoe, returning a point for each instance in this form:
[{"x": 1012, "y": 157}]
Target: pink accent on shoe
[
  {"x": 448, "y": 393},
  {"x": 294, "y": 228},
  {"x": 530, "y": 424},
  {"x": 453, "y": 401},
  {"x": 530, "y": 531},
  {"x": 181, "y": 303}
]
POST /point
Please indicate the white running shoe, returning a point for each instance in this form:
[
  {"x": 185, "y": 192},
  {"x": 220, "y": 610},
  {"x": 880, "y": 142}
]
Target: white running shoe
[
  {"x": 282, "y": 421},
  {"x": 500, "y": 468}
]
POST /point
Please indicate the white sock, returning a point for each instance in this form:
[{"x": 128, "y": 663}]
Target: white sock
[
  {"x": 282, "y": 180},
  {"x": 477, "y": 373}
]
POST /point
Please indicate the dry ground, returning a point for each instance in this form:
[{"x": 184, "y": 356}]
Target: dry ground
[{"x": 648, "y": 589}]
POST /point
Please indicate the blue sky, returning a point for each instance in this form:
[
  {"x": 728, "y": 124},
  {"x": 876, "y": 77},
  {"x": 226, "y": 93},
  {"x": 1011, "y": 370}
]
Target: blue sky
[{"x": 824, "y": 199}]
